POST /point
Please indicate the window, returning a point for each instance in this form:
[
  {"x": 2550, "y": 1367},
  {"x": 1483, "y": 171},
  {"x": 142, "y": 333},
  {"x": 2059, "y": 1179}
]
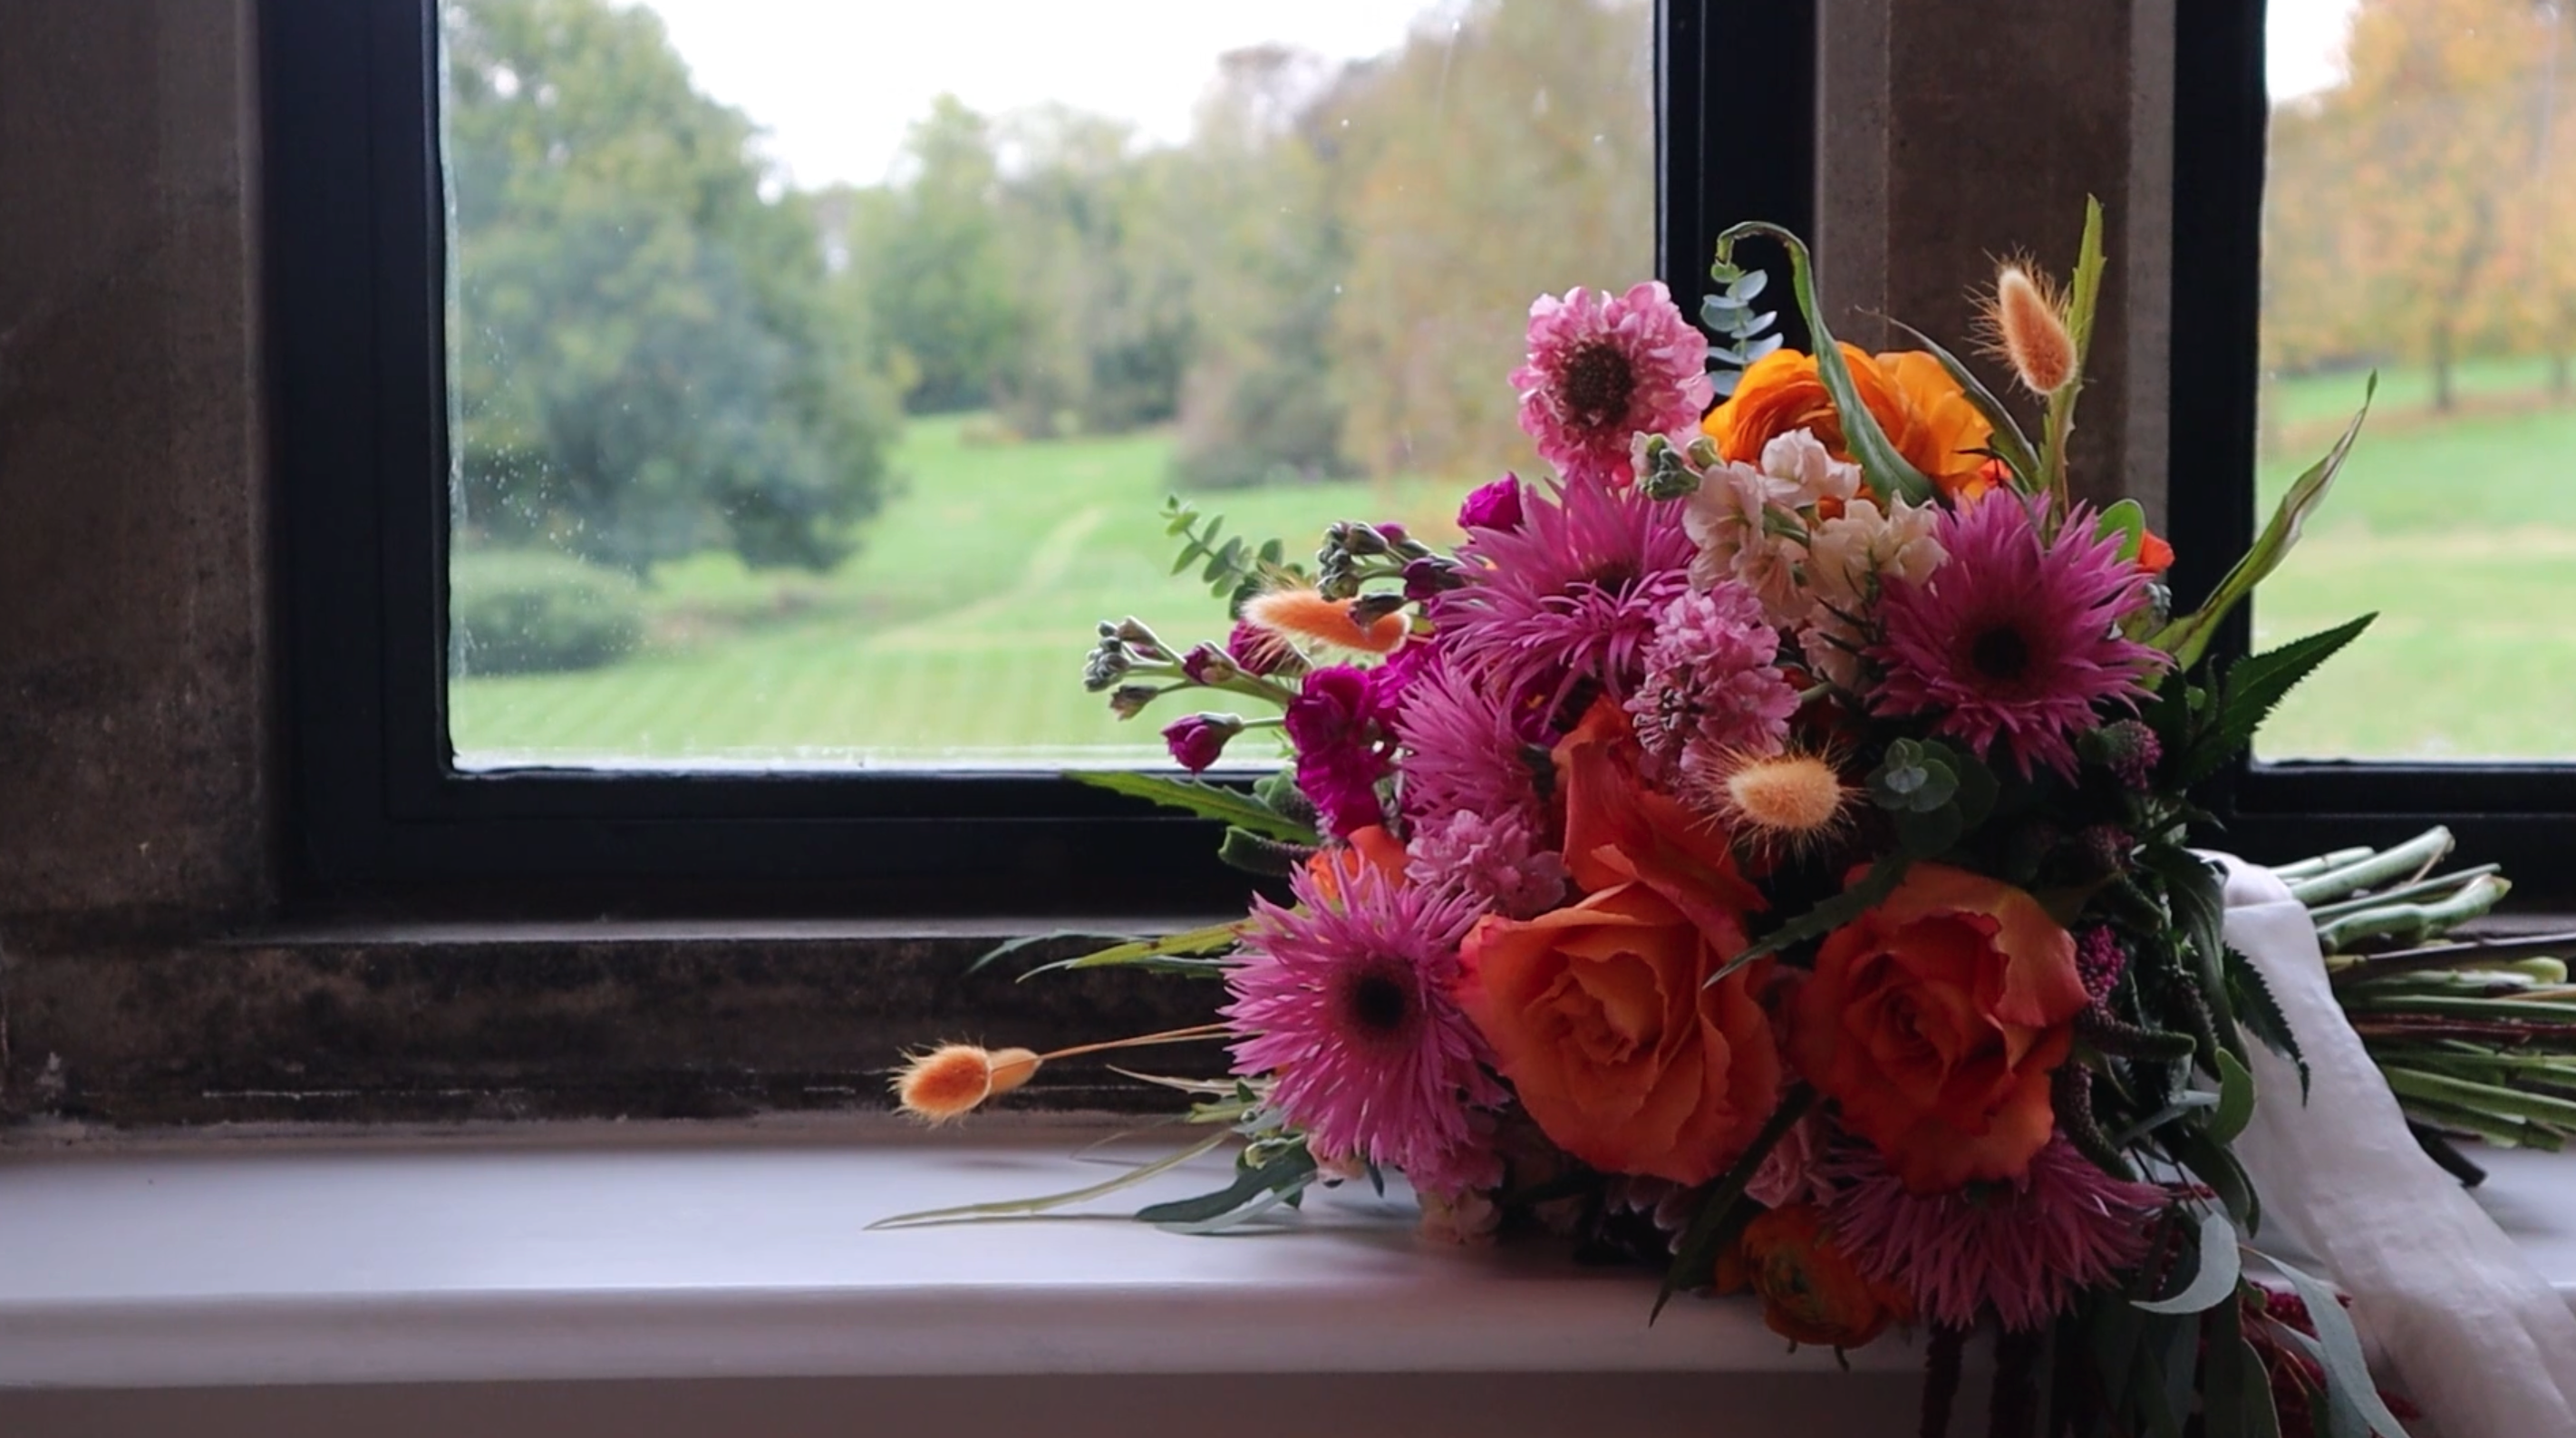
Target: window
[
  {"x": 2385, "y": 210},
  {"x": 364, "y": 293}
]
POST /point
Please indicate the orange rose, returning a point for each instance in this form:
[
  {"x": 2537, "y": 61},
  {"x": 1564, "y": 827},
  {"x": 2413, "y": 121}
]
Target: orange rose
[
  {"x": 1811, "y": 1291},
  {"x": 1602, "y": 1017},
  {"x": 1619, "y": 830},
  {"x": 1929, "y": 419},
  {"x": 1935, "y": 1020}
]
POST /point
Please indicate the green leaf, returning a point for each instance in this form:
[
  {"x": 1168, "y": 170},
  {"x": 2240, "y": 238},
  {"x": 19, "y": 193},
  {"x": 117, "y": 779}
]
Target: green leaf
[
  {"x": 2008, "y": 442},
  {"x": 2187, "y": 638},
  {"x": 2127, "y": 520},
  {"x": 2220, "y": 1267},
  {"x": 2198, "y": 895},
  {"x": 1888, "y": 471},
  {"x": 2236, "y": 1386},
  {"x": 2254, "y": 686},
  {"x": 1198, "y": 796},
  {"x": 1695, "y": 1257},
  {"x": 1289, "y": 1168},
  {"x": 2235, "y": 1099},
  {"x": 2214, "y": 1165},
  {"x": 2084, "y": 292},
  {"x": 1023, "y": 1207},
  {"x": 1152, "y": 955},
  {"x": 2261, "y": 1014},
  {"x": 2338, "y": 1351},
  {"x": 1832, "y": 914}
]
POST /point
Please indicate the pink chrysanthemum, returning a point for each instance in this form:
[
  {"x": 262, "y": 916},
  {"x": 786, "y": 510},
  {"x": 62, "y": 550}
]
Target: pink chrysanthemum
[
  {"x": 1569, "y": 598},
  {"x": 2026, "y": 1248},
  {"x": 1604, "y": 368},
  {"x": 1712, "y": 677},
  {"x": 1345, "y": 999},
  {"x": 2015, "y": 638},
  {"x": 1462, "y": 748},
  {"x": 1493, "y": 858}
]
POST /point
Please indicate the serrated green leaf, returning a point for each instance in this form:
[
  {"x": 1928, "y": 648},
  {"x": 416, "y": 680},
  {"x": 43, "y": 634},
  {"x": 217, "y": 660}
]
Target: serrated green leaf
[
  {"x": 1832, "y": 914},
  {"x": 2252, "y": 688},
  {"x": 2215, "y": 1280},
  {"x": 2198, "y": 896},
  {"x": 1888, "y": 471},
  {"x": 2187, "y": 638},
  {"x": 1288, "y": 1167},
  {"x": 2260, "y": 1013},
  {"x": 1207, "y": 800}
]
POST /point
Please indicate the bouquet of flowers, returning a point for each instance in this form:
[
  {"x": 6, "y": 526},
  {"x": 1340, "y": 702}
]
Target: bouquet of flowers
[{"x": 1761, "y": 849}]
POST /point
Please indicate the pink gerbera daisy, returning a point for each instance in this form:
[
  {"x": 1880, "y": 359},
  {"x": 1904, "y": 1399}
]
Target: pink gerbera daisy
[
  {"x": 1346, "y": 1000},
  {"x": 1605, "y": 368},
  {"x": 2016, "y": 637},
  {"x": 2025, "y": 1247},
  {"x": 1569, "y": 597}
]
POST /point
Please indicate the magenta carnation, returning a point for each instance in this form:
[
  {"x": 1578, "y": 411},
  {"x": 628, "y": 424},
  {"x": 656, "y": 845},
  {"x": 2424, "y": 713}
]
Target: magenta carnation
[
  {"x": 1343, "y": 747},
  {"x": 1568, "y": 599},
  {"x": 2014, "y": 639},
  {"x": 1713, "y": 677},
  {"x": 1345, "y": 1000},
  {"x": 1492, "y": 506},
  {"x": 1603, "y": 369},
  {"x": 2026, "y": 1247}
]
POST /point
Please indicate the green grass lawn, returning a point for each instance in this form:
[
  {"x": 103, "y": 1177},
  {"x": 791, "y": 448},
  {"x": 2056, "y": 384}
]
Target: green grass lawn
[{"x": 958, "y": 632}]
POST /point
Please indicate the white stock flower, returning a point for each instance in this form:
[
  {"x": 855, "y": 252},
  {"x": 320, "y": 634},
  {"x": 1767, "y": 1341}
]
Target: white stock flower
[
  {"x": 1801, "y": 459},
  {"x": 1849, "y": 557}
]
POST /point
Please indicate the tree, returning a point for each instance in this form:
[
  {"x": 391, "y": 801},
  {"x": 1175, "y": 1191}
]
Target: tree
[
  {"x": 1098, "y": 252},
  {"x": 646, "y": 362},
  {"x": 1511, "y": 154},
  {"x": 927, "y": 263},
  {"x": 2412, "y": 207}
]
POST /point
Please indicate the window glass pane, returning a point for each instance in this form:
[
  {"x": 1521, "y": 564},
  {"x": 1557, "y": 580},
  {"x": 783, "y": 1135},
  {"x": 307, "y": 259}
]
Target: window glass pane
[
  {"x": 818, "y": 369},
  {"x": 2420, "y": 220}
]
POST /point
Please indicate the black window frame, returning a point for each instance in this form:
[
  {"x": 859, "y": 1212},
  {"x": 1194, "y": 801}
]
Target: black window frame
[
  {"x": 356, "y": 304},
  {"x": 2522, "y": 815}
]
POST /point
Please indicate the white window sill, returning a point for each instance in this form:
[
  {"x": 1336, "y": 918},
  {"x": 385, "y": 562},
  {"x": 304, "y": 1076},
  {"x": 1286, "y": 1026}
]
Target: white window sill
[{"x": 746, "y": 1254}]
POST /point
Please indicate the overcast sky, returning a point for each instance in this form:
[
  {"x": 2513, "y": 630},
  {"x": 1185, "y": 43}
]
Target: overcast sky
[{"x": 835, "y": 81}]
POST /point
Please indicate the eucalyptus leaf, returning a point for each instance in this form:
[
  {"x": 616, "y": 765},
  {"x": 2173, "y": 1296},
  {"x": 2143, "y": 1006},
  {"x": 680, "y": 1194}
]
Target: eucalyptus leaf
[
  {"x": 2338, "y": 1351},
  {"x": 2220, "y": 1268},
  {"x": 2235, "y": 1099},
  {"x": 1887, "y": 470}
]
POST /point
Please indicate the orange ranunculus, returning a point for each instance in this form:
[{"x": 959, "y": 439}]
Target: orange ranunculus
[
  {"x": 1811, "y": 1290},
  {"x": 2155, "y": 556},
  {"x": 1935, "y": 1020},
  {"x": 1929, "y": 419},
  {"x": 1622, "y": 1052},
  {"x": 1621, "y": 830}
]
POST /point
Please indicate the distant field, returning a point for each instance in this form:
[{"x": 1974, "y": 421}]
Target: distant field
[{"x": 960, "y": 629}]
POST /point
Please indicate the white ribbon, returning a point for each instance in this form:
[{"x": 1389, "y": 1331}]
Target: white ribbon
[{"x": 2477, "y": 1338}]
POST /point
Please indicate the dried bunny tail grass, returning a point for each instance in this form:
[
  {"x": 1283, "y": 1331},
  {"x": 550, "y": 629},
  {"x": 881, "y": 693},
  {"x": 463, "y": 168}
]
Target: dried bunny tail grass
[
  {"x": 1303, "y": 613},
  {"x": 2023, "y": 323},
  {"x": 1795, "y": 801},
  {"x": 953, "y": 1080}
]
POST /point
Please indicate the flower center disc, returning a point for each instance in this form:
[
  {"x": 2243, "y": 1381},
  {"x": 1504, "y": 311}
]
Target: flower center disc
[
  {"x": 2000, "y": 654},
  {"x": 1379, "y": 1004},
  {"x": 1598, "y": 384}
]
